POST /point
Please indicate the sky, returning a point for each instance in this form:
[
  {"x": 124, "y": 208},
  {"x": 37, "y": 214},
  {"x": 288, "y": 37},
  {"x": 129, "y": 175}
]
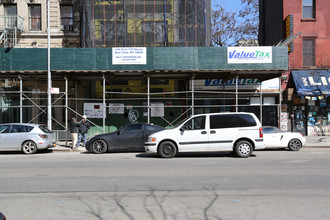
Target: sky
[{"x": 233, "y": 5}]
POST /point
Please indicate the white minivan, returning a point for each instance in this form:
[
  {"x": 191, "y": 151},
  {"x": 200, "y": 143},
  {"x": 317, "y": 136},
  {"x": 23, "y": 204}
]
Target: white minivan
[{"x": 239, "y": 132}]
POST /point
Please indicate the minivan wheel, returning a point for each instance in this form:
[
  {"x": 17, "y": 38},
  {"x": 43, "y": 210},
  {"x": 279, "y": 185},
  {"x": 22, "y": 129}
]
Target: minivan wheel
[
  {"x": 29, "y": 147},
  {"x": 99, "y": 146},
  {"x": 295, "y": 144},
  {"x": 243, "y": 149},
  {"x": 167, "y": 149}
]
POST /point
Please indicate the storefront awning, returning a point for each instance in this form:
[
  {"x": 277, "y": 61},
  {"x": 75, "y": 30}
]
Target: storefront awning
[{"x": 312, "y": 82}]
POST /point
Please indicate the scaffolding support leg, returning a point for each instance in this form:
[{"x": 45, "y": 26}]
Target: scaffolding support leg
[
  {"x": 104, "y": 107},
  {"x": 192, "y": 96},
  {"x": 236, "y": 93},
  {"x": 260, "y": 92},
  {"x": 148, "y": 95},
  {"x": 280, "y": 102},
  {"x": 66, "y": 111},
  {"x": 20, "y": 99}
]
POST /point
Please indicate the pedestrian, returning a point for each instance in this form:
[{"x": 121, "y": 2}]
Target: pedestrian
[
  {"x": 74, "y": 130},
  {"x": 83, "y": 130}
]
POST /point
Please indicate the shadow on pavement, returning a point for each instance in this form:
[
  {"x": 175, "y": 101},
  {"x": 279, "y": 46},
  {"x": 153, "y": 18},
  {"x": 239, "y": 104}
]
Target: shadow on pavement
[{"x": 193, "y": 155}]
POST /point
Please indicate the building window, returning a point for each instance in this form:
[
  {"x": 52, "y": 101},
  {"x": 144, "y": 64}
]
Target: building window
[
  {"x": 308, "y": 8},
  {"x": 66, "y": 18},
  {"x": 34, "y": 17},
  {"x": 308, "y": 52},
  {"x": 10, "y": 16}
]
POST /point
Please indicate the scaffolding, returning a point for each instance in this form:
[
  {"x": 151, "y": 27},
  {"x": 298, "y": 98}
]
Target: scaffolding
[
  {"x": 162, "y": 108},
  {"x": 146, "y": 23}
]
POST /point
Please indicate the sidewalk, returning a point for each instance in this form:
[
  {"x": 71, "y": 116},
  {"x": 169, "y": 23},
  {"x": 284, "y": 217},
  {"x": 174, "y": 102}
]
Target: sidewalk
[
  {"x": 63, "y": 146},
  {"x": 318, "y": 141},
  {"x": 311, "y": 141}
]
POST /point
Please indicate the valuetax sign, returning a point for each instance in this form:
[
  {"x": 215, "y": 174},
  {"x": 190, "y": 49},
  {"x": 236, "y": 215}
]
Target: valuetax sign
[{"x": 249, "y": 54}]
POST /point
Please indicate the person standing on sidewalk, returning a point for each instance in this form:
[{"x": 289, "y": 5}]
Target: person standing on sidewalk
[
  {"x": 74, "y": 130},
  {"x": 83, "y": 130}
]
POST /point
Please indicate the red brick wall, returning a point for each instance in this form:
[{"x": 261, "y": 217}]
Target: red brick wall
[{"x": 319, "y": 27}]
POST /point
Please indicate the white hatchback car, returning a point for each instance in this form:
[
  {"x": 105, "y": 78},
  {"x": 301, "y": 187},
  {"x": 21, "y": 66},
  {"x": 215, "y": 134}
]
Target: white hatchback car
[
  {"x": 25, "y": 137},
  {"x": 239, "y": 132},
  {"x": 276, "y": 138}
]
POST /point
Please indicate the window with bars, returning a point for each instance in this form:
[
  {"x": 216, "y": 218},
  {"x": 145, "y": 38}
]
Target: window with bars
[
  {"x": 35, "y": 17},
  {"x": 309, "y": 52},
  {"x": 308, "y": 7},
  {"x": 66, "y": 18}
]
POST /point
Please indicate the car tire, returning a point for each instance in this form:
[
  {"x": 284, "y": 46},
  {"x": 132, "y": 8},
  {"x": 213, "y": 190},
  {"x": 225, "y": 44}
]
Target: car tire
[
  {"x": 167, "y": 149},
  {"x": 294, "y": 144},
  {"x": 29, "y": 147},
  {"x": 243, "y": 149},
  {"x": 99, "y": 146}
]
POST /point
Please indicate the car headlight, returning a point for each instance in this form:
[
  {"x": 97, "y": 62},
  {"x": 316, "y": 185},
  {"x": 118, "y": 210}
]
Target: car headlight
[{"x": 152, "y": 139}]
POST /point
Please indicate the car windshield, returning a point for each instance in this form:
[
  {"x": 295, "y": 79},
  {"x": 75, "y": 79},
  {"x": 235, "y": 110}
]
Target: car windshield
[{"x": 45, "y": 129}]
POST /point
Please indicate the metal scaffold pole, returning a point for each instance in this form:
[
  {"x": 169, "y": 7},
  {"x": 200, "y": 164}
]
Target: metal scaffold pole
[
  {"x": 20, "y": 99},
  {"x": 148, "y": 109},
  {"x": 104, "y": 106},
  {"x": 49, "y": 105}
]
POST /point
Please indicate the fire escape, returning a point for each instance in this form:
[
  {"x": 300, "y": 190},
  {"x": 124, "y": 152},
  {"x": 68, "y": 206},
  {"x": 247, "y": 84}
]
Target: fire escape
[{"x": 10, "y": 28}]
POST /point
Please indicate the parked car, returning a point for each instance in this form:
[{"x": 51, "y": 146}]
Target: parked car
[
  {"x": 2, "y": 216},
  {"x": 276, "y": 138},
  {"x": 25, "y": 137},
  {"x": 130, "y": 138},
  {"x": 237, "y": 132}
]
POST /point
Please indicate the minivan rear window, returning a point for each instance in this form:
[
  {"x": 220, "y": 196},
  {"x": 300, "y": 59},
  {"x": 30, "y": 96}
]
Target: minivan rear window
[{"x": 245, "y": 120}]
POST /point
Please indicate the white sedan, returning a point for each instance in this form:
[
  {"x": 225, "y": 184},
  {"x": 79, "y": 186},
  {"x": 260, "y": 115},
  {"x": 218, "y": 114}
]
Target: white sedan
[{"x": 276, "y": 138}]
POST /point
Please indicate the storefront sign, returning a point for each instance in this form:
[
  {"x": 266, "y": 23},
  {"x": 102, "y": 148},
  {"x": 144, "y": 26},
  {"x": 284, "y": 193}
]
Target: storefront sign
[
  {"x": 271, "y": 85},
  {"x": 249, "y": 54},
  {"x": 129, "y": 56}
]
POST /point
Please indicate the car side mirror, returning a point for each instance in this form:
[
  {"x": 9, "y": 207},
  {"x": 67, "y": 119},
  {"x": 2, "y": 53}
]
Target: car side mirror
[{"x": 183, "y": 128}]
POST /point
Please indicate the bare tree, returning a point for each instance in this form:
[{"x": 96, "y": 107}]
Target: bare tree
[
  {"x": 224, "y": 27},
  {"x": 248, "y": 29},
  {"x": 239, "y": 29}
]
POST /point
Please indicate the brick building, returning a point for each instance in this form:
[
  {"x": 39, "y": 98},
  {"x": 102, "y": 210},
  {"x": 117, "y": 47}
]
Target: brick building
[{"x": 307, "y": 84}]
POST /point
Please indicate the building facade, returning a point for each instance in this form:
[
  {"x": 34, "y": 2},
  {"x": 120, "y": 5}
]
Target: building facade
[
  {"x": 171, "y": 41},
  {"x": 305, "y": 26}
]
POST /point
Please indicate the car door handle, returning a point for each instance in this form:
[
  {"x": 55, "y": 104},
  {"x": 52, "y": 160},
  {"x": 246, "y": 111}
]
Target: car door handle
[
  {"x": 203, "y": 132},
  {"x": 213, "y": 132}
]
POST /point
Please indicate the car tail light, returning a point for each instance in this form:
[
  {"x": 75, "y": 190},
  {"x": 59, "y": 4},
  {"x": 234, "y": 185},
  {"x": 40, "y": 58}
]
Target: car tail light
[
  {"x": 43, "y": 135},
  {"x": 301, "y": 134},
  {"x": 261, "y": 132}
]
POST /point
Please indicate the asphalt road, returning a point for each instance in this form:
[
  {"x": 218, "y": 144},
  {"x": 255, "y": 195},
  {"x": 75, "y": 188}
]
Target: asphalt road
[{"x": 276, "y": 184}]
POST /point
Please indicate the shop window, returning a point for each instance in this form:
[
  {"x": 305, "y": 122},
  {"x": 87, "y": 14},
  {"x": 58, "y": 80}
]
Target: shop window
[
  {"x": 308, "y": 52},
  {"x": 35, "y": 17},
  {"x": 66, "y": 18},
  {"x": 308, "y": 7}
]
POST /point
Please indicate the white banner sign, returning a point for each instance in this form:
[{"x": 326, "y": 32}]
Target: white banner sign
[
  {"x": 129, "y": 55},
  {"x": 93, "y": 110},
  {"x": 249, "y": 54},
  {"x": 116, "y": 108}
]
